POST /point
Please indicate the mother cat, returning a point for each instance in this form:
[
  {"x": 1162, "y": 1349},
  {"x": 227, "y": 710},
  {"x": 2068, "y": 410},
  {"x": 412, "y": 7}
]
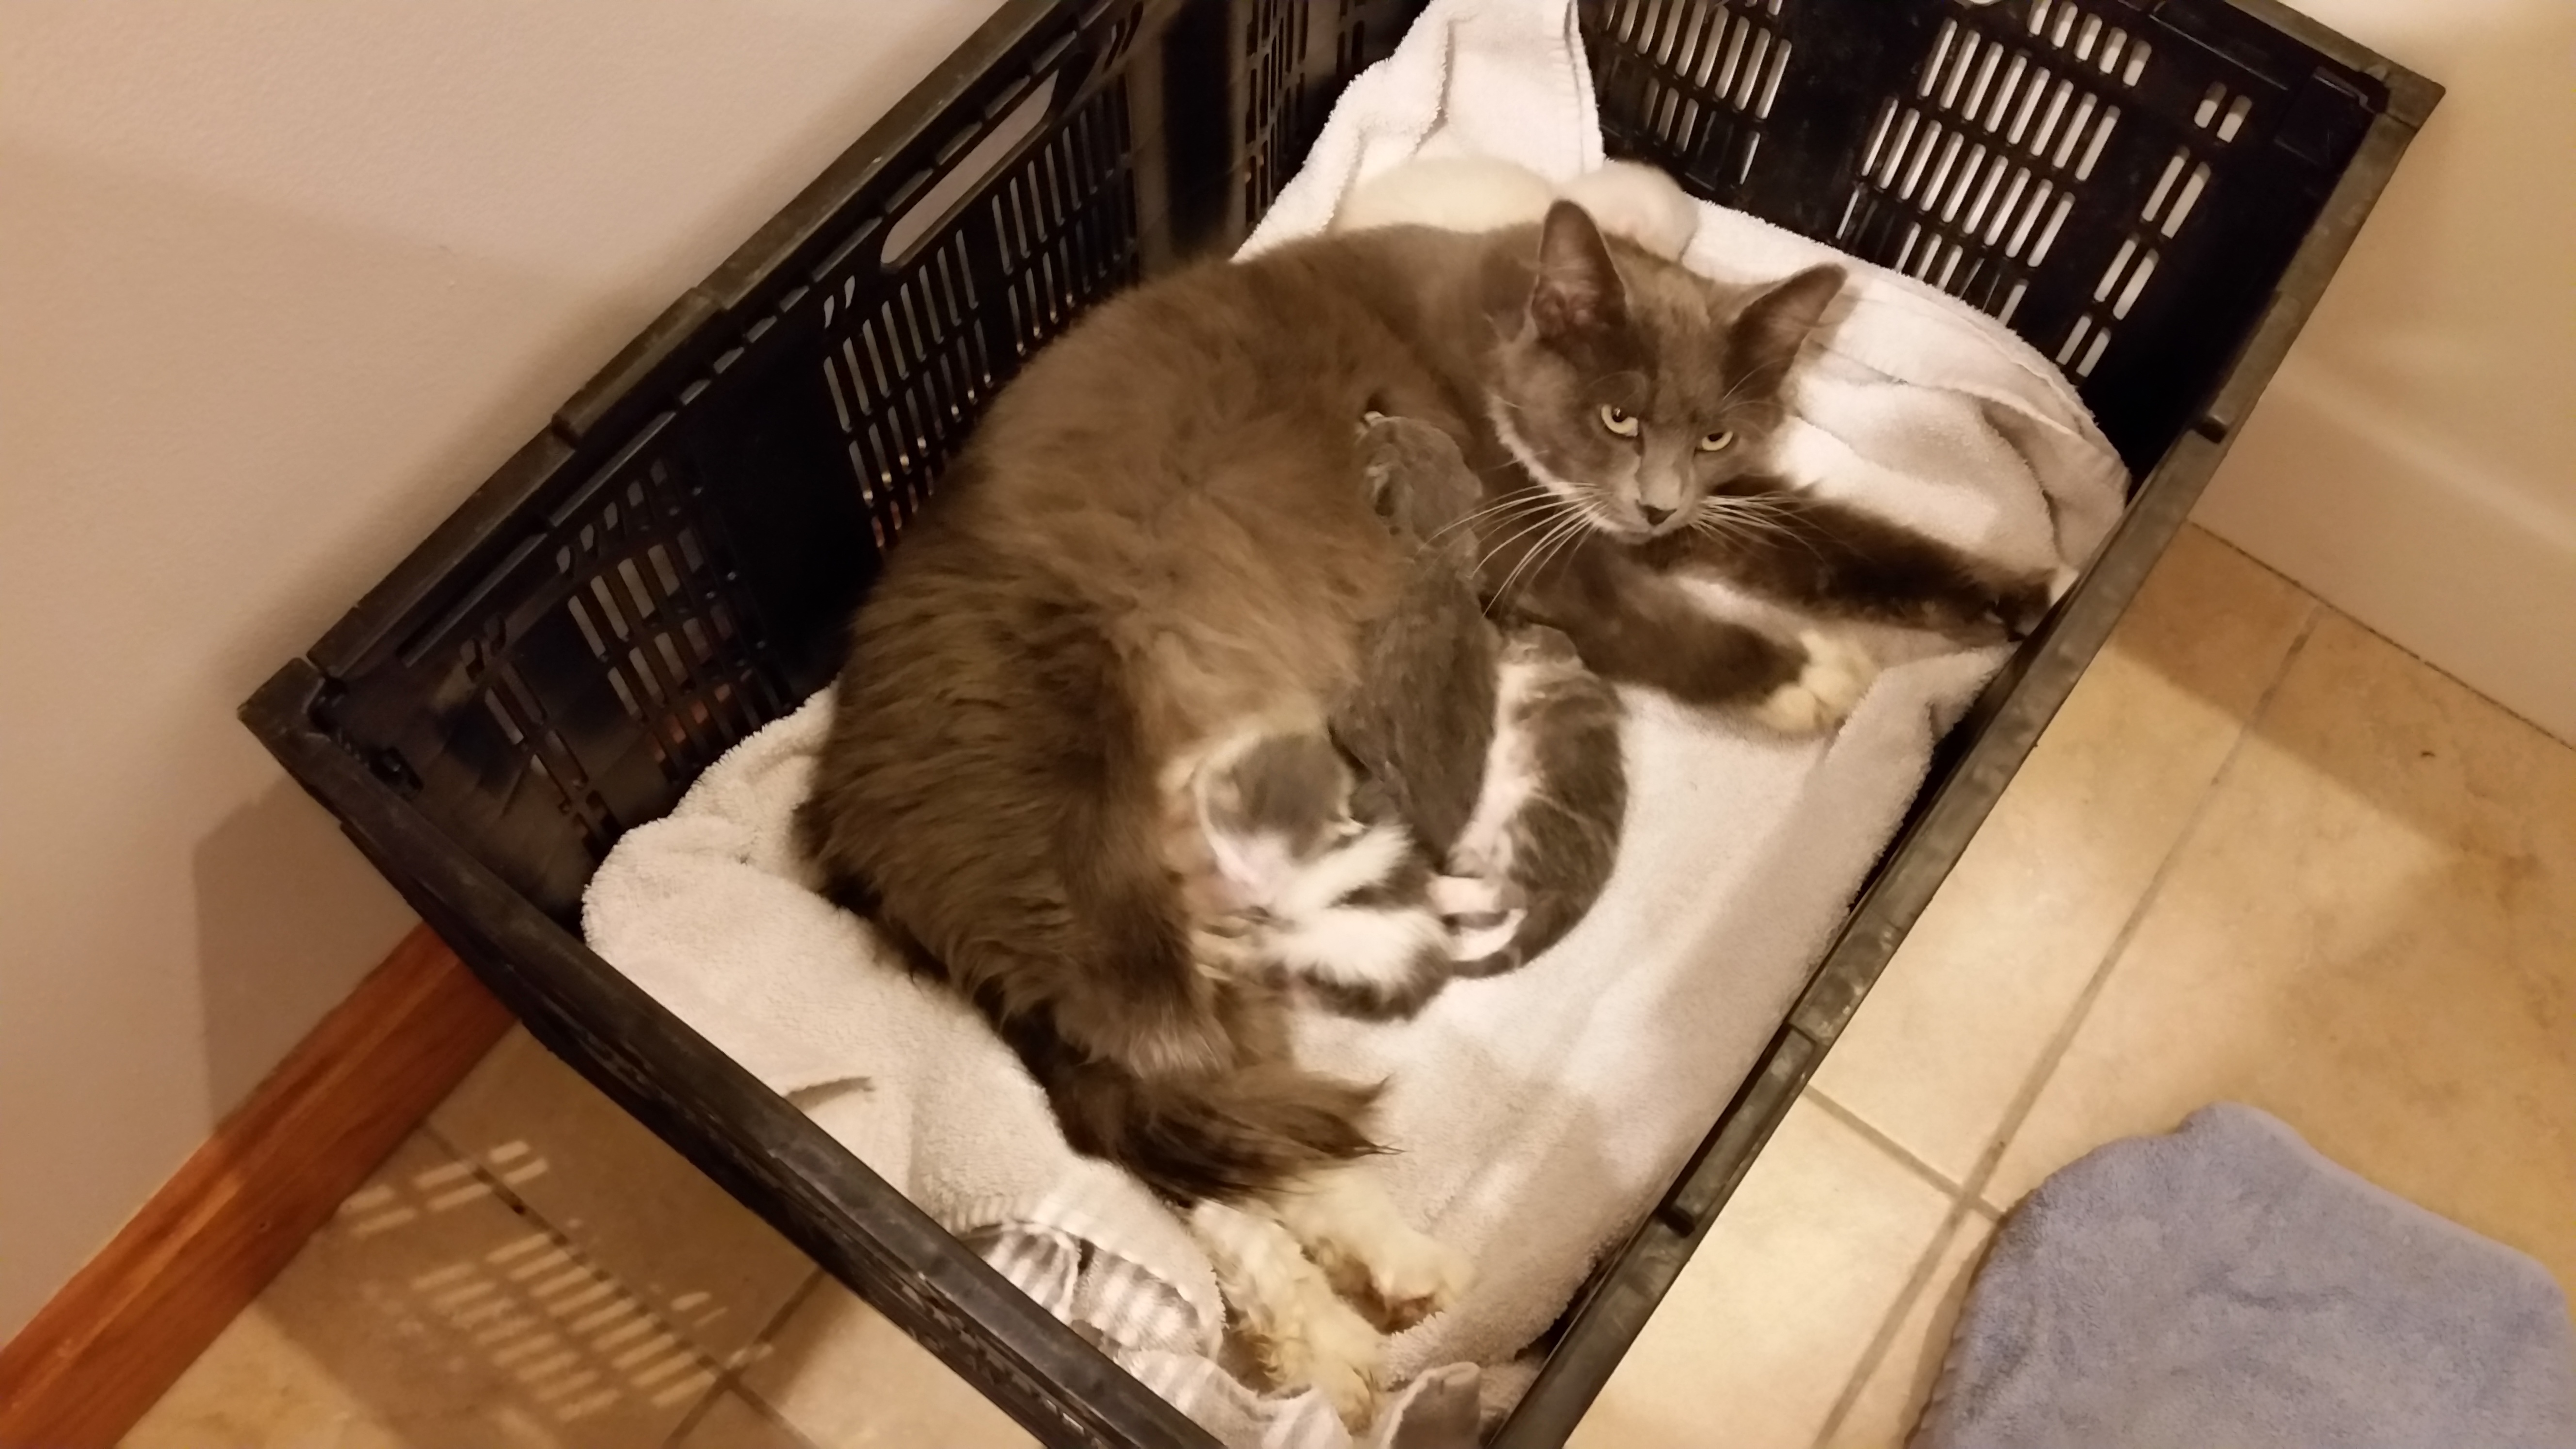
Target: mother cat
[{"x": 1157, "y": 535}]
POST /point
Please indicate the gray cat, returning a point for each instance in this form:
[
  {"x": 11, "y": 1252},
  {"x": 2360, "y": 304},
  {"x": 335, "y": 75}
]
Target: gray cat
[{"x": 1154, "y": 538}]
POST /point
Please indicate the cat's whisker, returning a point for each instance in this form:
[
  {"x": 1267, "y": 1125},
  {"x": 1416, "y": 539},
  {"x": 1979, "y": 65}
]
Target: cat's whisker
[
  {"x": 1749, "y": 518},
  {"x": 1516, "y": 506},
  {"x": 1748, "y": 375},
  {"x": 1544, "y": 521},
  {"x": 1547, "y": 545},
  {"x": 1727, "y": 525},
  {"x": 1564, "y": 543},
  {"x": 1765, "y": 516},
  {"x": 1576, "y": 521}
]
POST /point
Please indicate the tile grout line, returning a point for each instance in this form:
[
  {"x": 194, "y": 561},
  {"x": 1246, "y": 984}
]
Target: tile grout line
[
  {"x": 1917, "y": 1283},
  {"x": 688, "y": 1422},
  {"x": 733, "y": 1375},
  {"x": 1968, "y": 1198},
  {"x": 2017, "y": 1114},
  {"x": 575, "y": 1253},
  {"x": 1883, "y": 1142}
]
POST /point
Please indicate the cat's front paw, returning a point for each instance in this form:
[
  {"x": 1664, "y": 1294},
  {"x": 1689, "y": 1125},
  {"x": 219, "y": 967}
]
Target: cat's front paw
[
  {"x": 2022, "y": 604},
  {"x": 1837, "y": 673}
]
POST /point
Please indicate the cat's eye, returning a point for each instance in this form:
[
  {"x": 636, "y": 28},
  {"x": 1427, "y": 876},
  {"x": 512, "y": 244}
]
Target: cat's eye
[
  {"x": 1619, "y": 420},
  {"x": 1717, "y": 442}
]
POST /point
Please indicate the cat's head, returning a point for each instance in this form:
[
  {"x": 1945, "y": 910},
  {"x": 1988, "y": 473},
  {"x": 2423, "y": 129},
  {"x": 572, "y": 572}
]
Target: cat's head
[{"x": 1633, "y": 389}]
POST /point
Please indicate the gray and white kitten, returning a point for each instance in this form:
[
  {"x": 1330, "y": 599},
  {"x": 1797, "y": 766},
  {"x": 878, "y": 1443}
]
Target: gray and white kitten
[
  {"x": 1500, "y": 754},
  {"x": 1447, "y": 697}
]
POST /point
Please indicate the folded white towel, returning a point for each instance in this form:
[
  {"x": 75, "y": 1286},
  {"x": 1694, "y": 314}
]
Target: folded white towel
[{"x": 1536, "y": 1114}]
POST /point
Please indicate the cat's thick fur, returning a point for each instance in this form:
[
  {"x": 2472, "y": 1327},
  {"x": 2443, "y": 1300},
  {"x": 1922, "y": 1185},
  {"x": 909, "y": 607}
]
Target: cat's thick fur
[{"x": 1154, "y": 536}]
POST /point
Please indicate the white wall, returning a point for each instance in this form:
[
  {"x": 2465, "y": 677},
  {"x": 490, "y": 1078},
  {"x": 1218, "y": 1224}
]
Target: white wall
[
  {"x": 279, "y": 282},
  {"x": 2415, "y": 462}
]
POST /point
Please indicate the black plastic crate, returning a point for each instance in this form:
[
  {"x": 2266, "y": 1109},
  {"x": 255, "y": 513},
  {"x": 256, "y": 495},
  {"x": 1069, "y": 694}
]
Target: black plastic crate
[{"x": 2154, "y": 192}]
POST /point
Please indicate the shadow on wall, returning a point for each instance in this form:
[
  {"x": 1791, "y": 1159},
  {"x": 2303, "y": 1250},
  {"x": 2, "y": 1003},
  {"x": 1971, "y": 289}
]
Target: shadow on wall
[
  {"x": 274, "y": 303},
  {"x": 330, "y": 396},
  {"x": 240, "y": 418},
  {"x": 287, "y": 911},
  {"x": 2412, "y": 462}
]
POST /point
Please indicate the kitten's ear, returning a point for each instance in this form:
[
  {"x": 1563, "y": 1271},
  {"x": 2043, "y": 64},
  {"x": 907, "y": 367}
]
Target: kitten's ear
[
  {"x": 1252, "y": 872},
  {"x": 1768, "y": 332},
  {"x": 1578, "y": 290}
]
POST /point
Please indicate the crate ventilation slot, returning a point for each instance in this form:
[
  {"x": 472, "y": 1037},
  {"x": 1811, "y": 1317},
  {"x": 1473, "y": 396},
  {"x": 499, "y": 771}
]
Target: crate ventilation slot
[
  {"x": 912, "y": 354},
  {"x": 1350, "y": 48},
  {"x": 1968, "y": 181},
  {"x": 1282, "y": 107},
  {"x": 1695, "y": 79},
  {"x": 1274, "y": 51},
  {"x": 2088, "y": 39},
  {"x": 2220, "y": 114},
  {"x": 968, "y": 175},
  {"x": 646, "y": 598},
  {"x": 2169, "y": 205}
]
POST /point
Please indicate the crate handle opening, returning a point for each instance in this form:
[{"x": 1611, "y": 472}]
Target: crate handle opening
[{"x": 966, "y": 177}]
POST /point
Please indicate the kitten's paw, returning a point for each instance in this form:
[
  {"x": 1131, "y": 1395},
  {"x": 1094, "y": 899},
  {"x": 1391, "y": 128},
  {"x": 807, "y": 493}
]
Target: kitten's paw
[
  {"x": 1372, "y": 1255},
  {"x": 1836, "y": 675},
  {"x": 1327, "y": 1346},
  {"x": 1484, "y": 936},
  {"x": 1481, "y": 915},
  {"x": 1286, "y": 1312},
  {"x": 1415, "y": 1277}
]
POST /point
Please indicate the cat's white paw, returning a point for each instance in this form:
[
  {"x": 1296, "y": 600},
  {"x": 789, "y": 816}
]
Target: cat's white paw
[
  {"x": 1326, "y": 1345},
  {"x": 1414, "y": 1275},
  {"x": 1369, "y": 1251},
  {"x": 1287, "y": 1313},
  {"x": 1480, "y": 938},
  {"x": 1837, "y": 673}
]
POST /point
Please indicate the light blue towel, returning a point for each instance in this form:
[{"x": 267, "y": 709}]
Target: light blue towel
[{"x": 2228, "y": 1288}]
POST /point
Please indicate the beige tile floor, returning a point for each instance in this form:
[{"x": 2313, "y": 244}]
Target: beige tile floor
[{"x": 2262, "y": 855}]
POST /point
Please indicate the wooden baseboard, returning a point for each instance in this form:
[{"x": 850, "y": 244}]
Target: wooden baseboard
[{"x": 120, "y": 1333}]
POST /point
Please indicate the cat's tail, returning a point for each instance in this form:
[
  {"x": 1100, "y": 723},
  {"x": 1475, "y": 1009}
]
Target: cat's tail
[{"x": 1227, "y": 1135}]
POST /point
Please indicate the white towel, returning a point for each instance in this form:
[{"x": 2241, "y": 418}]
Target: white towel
[{"x": 1536, "y": 1115}]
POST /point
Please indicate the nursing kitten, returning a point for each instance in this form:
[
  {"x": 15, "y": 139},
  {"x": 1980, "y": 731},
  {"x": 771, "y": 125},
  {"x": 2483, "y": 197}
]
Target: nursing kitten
[
  {"x": 1501, "y": 748},
  {"x": 1307, "y": 887},
  {"x": 1501, "y": 758},
  {"x": 1154, "y": 536},
  {"x": 1556, "y": 795}
]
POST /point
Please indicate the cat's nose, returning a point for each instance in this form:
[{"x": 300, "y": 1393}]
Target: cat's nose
[{"x": 1654, "y": 516}]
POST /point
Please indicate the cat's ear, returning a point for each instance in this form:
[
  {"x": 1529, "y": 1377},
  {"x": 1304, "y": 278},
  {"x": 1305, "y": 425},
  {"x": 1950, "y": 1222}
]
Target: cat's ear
[
  {"x": 1768, "y": 332},
  {"x": 1577, "y": 290}
]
